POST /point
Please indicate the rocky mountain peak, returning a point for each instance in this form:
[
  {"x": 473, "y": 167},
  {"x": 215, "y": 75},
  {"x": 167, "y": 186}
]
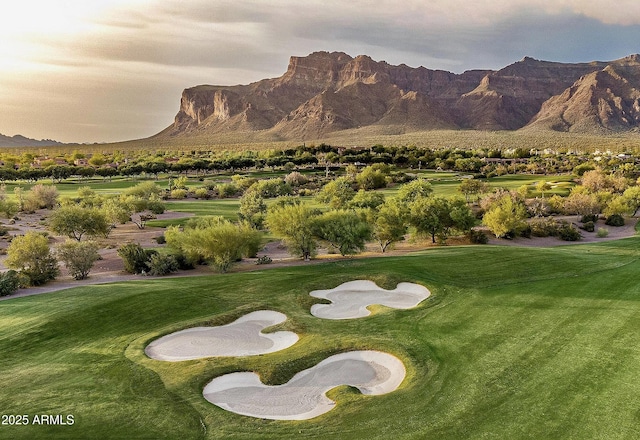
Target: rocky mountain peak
[{"x": 329, "y": 91}]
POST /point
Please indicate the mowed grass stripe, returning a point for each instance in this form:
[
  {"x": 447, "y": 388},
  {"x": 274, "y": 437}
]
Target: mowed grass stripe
[{"x": 514, "y": 343}]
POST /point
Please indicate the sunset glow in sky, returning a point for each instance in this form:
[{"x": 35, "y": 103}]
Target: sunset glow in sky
[{"x": 110, "y": 70}]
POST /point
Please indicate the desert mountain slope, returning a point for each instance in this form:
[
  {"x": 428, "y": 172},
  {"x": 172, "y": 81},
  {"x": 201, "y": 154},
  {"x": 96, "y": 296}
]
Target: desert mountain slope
[
  {"x": 605, "y": 100},
  {"x": 328, "y": 92},
  {"x": 21, "y": 141}
]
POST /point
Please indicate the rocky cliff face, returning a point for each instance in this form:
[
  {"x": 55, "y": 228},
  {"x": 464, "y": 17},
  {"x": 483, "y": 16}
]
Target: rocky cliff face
[
  {"x": 604, "y": 100},
  {"x": 325, "y": 92}
]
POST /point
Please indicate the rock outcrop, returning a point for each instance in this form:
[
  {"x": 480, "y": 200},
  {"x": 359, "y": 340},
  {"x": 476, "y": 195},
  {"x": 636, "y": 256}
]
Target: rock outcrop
[{"x": 326, "y": 92}]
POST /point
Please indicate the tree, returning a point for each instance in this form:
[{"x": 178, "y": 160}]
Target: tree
[
  {"x": 344, "y": 230},
  {"x": 115, "y": 212},
  {"x": 390, "y": 224},
  {"x": 631, "y": 197},
  {"x": 581, "y": 203},
  {"x": 336, "y": 193},
  {"x": 411, "y": 191},
  {"x": 219, "y": 243},
  {"x": 505, "y": 217},
  {"x": 472, "y": 187},
  {"x": 371, "y": 178},
  {"x": 430, "y": 215},
  {"x": 542, "y": 187},
  {"x": 366, "y": 199},
  {"x": 78, "y": 257},
  {"x": 252, "y": 208},
  {"x": 75, "y": 221},
  {"x": 295, "y": 224},
  {"x": 30, "y": 254}
]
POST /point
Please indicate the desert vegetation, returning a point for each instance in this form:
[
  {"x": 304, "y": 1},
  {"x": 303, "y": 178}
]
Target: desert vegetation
[{"x": 314, "y": 198}]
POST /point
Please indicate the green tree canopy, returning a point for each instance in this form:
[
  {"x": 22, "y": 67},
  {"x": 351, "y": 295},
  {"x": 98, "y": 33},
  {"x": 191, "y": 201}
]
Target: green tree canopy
[
  {"x": 74, "y": 221},
  {"x": 30, "y": 254},
  {"x": 506, "y": 216},
  {"x": 344, "y": 230},
  {"x": 295, "y": 224}
]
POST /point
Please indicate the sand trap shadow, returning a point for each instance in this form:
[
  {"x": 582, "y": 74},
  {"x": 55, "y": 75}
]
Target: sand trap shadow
[
  {"x": 243, "y": 337},
  {"x": 351, "y": 299},
  {"x": 304, "y": 396}
]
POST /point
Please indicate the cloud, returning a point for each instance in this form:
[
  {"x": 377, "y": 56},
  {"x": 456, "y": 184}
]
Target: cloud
[{"x": 122, "y": 64}]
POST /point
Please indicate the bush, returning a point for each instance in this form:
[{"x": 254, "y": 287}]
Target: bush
[
  {"x": 478, "y": 237},
  {"x": 30, "y": 254},
  {"x": 179, "y": 193},
  {"x": 160, "y": 264},
  {"x": 615, "y": 220},
  {"x": 567, "y": 232},
  {"x": 201, "y": 193},
  {"x": 9, "y": 282},
  {"x": 589, "y": 218},
  {"x": 265, "y": 259},
  {"x": 79, "y": 257},
  {"x": 544, "y": 227},
  {"x": 589, "y": 226},
  {"x": 135, "y": 257},
  {"x": 602, "y": 233},
  {"x": 160, "y": 239},
  {"x": 156, "y": 206}
]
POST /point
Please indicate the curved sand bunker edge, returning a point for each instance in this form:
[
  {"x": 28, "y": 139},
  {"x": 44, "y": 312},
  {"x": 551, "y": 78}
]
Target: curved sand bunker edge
[
  {"x": 349, "y": 300},
  {"x": 389, "y": 375},
  {"x": 181, "y": 345}
]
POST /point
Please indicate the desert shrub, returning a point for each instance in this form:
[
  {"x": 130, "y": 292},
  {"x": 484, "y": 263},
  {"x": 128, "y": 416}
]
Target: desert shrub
[
  {"x": 478, "y": 237},
  {"x": 160, "y": 239},
  {"x": 156, "y": 206},
  {"x": 3, "y": 231},
  {"x": 79, "y": 257},
  {"x": 184, "y": 263},
  {"x": 589, "y": 226},
  {"x": 296, "y": 179},
  {"x": 544, "y": 227},
  {"x": 42, "y": 196},
  {"x": 265, "y": 259},
  {"x": 589, "y": 218},
  {"x": 602, "y": 233},
  {"x": 160, "y": 264},
  {"x": 209, "y": 184},
  {"x": 135, "y": 258},
  {"x": 615, "y": 220},
  {"x": 31, "y": 255},
  {"x": 179, "y": 193},
  {"x": 144, "y": 190},
  {"x": 228, "y": 190},
  {"x": 9, "y": 282},
  {"x": 567, "y": 232},
  {"x": 201, "y": 193}
]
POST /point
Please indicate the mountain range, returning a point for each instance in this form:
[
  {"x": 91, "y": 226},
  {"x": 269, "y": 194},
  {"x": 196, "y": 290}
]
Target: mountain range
[
  {"x": 22, "y": 141},
  {"x": 328, "y": 92}
]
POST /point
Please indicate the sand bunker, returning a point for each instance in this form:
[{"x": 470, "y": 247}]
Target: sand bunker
[
  {"x": 350, "y": 300},
  {"x": 303, "y": 397},
  {"x": 243, "y": 337}
]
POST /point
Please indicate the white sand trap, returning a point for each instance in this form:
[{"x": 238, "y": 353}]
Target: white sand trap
[
  {"x": 243, "y": 337},
  {"x": 303, "y": 397},
  {"x": 350, "y": 300}
]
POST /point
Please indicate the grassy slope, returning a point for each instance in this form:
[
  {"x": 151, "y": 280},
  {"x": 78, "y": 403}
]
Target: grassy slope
[{"x": 514, "y": 343}]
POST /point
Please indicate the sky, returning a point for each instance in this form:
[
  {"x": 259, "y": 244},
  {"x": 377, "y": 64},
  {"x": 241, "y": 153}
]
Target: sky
[{"x": 113, "y": 70}]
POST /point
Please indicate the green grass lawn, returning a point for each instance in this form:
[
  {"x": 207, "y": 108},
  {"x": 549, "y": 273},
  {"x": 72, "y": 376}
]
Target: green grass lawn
[{"x": 514, "y": 343}]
